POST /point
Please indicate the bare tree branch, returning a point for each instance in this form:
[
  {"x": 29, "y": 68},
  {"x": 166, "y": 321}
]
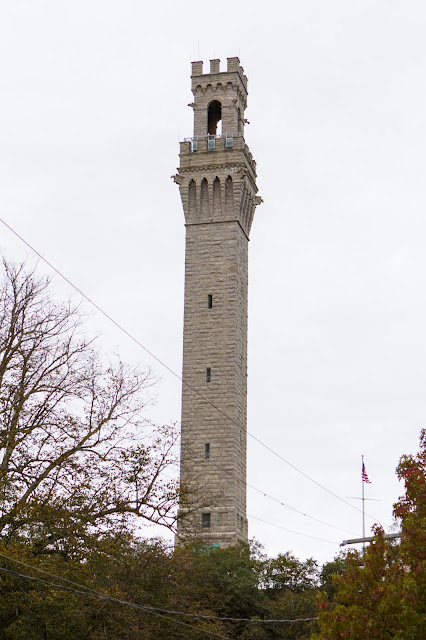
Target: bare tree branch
[{"x": 73, "y": 458}]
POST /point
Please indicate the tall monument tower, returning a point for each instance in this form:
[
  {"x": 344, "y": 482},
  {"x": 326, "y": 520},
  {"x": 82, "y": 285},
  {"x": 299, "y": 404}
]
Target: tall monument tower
[{"x": 217, "y": 181}]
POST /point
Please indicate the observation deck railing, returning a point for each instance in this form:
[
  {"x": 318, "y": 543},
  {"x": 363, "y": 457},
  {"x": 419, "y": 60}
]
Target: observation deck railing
[
  {"x": 211, "y": 136},
  {"x": 207, "y": 143},
  {"x": 211, "y": 140}
]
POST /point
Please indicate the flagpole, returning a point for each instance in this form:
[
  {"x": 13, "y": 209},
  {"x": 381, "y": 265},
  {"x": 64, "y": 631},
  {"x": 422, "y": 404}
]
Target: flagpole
[{"x": 363, "y": 506}]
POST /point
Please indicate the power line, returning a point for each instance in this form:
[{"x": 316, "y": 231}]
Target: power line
[
  {"x": 176, "y": 375},
  {"x": 292, "y": 530},
  {"x": 282, "y": 504},
  {"x": 277, "y": 500},
  {"x": 83, "y": 590},
  {"x": 309, "y": 477},
  {"x": 111, "y": 599}
]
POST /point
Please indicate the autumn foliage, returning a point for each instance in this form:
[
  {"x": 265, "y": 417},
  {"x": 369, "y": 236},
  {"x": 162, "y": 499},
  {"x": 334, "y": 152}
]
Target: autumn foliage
[{"x": 382, "y": 595}]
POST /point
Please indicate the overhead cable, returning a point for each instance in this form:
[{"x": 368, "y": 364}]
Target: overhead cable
[{"x": 155, "y": 610}]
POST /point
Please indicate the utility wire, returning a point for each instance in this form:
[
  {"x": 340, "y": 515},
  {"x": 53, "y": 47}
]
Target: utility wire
[
  {"x": 48, "y": 573},
  {"x": 268, "y": 495},
  {"x": 277, "y": 500},
  {"x": 111, "y": 599},
  {"x": 103, "y": 596},
  {"x": 311, "y": 479},
  {"x": 176, "y": 375},
  {"x": 282, "y": 504},
  {"x": 292, "y": 530}
]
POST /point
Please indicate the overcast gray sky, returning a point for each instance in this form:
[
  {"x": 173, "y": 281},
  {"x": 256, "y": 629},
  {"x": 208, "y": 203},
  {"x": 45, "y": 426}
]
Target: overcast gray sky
[{"x": 93, "y": 105}]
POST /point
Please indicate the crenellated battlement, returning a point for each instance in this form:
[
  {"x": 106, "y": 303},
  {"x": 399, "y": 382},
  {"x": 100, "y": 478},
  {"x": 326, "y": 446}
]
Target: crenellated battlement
[
  {"x": 219, "y": 96},
  {"x": 233, "y": 66}
]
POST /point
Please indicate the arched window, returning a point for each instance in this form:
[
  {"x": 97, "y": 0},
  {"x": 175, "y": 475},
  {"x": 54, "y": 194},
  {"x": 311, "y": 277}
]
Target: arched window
[
  {"x": 240, "y": 121},
  {"x": 214, "y": 116},
  {"x": 229, "y": 195},
  {"x": 192, "y": 199},
  {"x": 204, "y": 197},
  {"x": 217, "y": 208}
]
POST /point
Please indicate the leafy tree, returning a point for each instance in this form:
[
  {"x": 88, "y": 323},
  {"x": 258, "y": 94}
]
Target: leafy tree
[
  {"x": 383, "y": 594},
  {"x": 146, "y": 573},
  {"x": 411, "y": 511},
  {"x": 289, "y": 593},
  {"x": 287, "y": 572},
  {"x": 76, "y": 458},
  {"x": 209, "y": 582},
  {"x": 226, "y": 580},
  {"x": 336, "y": 567}
]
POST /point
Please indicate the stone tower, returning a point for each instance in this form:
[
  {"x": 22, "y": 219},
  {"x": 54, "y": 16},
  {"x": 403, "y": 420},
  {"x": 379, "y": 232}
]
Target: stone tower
[{"x": 217, "y": 181}]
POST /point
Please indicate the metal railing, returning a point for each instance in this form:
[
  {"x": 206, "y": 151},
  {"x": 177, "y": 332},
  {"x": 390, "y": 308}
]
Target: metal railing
[{"x": 211, "y": 136}]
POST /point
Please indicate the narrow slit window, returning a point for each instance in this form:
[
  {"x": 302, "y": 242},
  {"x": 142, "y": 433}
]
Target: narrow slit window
[
  {"x": 208, "y": 374},
  {"x": 205, "y": 520},
  {"x": 207, "y": 450},
  {"x": 210, "y": 301}
]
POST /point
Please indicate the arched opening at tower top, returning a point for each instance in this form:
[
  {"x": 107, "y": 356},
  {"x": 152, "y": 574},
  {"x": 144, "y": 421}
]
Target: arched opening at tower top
[{"x": 214, "y": 117}]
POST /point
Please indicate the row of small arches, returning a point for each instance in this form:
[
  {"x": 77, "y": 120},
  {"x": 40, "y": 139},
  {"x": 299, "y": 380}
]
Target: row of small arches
[
  {"x": 205, "y": 207},
  {"x": 192, "y": 183},
  {"x": 219, "y": 88},
  {"x": 209, "y": 87}
]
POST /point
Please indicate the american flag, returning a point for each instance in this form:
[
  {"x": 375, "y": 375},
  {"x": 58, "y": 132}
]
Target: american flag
[{"x": 364, "y": 475}]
